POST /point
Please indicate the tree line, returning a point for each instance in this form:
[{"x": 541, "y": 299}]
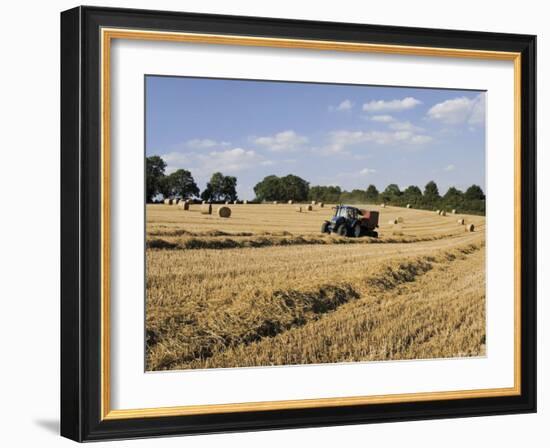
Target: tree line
[
  {"x": 180, "y": 184},
  {"x": 470, "y": 201}
]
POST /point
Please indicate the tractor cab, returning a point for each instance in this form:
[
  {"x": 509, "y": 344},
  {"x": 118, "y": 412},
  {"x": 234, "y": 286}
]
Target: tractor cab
[{"x": 351, "y": 221}]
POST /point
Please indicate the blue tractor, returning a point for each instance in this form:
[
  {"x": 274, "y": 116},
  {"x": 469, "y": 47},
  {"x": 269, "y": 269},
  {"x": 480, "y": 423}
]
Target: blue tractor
[{"x": 351, "y": 221}]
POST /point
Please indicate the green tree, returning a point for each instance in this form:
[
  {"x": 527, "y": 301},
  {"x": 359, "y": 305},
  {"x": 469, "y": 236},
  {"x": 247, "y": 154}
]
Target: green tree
[
  {"x": 431, "y": 192},
  {"x": 322, "y": 193},
  {"x": 181, "y": 184},
  {"x": 453, "y": 194},
  {"x": 289, "y": 187},
  {"x": 154, "y": 177},
  {"x": 220, "y": 188},
  {"x": 391, "y": 193},
  {"x": 269, "y": 189},
  {"x": 454, "y": 198},
  {"x": 229, "y": 189},
  {"x": 372, "y": 194},
  {"x": 412, "y": 192},
  {"x": 293, "y": 188},
  {"x": 474, "y": 193}
]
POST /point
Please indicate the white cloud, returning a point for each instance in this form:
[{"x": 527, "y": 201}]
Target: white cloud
[
  {"x": 382, "y": 118},
  {"x": 205, "y": 143},
  {"x": 404, "y": 126},
  {"x": 340, "y": 140},
  {"x": 343, "y": 106},
  {"x": 420, "y": 139},
  {"x": 205, "y": 163},
  {"x": 230, "y": 161},
  {"x": 450, "y": 167},
  {"x": 478, "y": 111},
  {"x": 282, "y": 141},
  {"x": 367, "y": 171},
  {"x": 460, "y": 110},
  {"x": 175, "y": 160},
  {"x": 391, "y": 106}
]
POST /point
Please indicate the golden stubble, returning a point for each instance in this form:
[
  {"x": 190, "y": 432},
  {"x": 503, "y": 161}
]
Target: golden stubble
[{"x": 268, "y": 289}]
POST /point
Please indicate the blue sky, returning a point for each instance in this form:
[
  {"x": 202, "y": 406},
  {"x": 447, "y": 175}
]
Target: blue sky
[{"x": 329, "y": 134}]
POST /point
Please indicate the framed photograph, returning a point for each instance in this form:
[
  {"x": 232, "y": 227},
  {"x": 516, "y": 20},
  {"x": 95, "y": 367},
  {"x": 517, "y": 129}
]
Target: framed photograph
[{"x": 274, "y": 223}]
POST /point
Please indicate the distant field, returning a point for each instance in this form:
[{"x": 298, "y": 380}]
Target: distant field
[{"x": 265, "y": 287}]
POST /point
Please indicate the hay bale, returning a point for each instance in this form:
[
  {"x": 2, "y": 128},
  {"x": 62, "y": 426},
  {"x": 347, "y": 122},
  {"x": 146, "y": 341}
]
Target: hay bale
[
  {"x": 399, "y": 219},
  {"x": 177, "y": 201},
  {"x": 453, "y": 211},
  {"x": 383, "y": 205},
  {"x": 309, "y": 208},
  {"x": 438, "y": 212},
  {"x": 275, "y": 202},
  {"x": 313, "y": 202},
  {"x": 204, "y": 202},
  {"x": 299, "y": 209},
  {"x": 392, "y": 222},
  {"x": 226, "y": 202},
  {"x": 408, "y": 205},
  {"x": 245, "y": 202},
  {"x": 443, "y": 213},
  {"x": 461, "y": 221},
  {"x": 168, "y": 201},
  {"x": 224, "y": 212},
  {"x": 206, "y": 209},
  {"x": 321, "y": 204},
  {"x": 235, "y": 202},
  {"x": 470, "y": 228},
  {"x": 291, "y": 202},
  {"x": 184, "y": 205}
]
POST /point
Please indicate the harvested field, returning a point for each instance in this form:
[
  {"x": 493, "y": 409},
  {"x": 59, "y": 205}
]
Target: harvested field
[{"x": 265, "y": 287}]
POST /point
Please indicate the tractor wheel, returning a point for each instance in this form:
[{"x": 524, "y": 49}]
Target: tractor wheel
[
  {"x": 357, "y": 231},
  {"x": 324, "y": 227},
  {"x": 341, "y": 230}
]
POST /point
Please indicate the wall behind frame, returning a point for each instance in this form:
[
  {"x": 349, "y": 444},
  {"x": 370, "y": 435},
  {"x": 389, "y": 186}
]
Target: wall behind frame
[{"x": 29, "y": 226}]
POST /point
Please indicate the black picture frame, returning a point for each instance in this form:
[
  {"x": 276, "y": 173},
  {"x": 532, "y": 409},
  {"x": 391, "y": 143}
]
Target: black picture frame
[{"x": 81, "y": 224}]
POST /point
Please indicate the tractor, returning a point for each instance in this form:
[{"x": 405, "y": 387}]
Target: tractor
[{"x": 351, "y": 221}]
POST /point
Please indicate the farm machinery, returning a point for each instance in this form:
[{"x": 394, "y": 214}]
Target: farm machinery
[{"x": 351, "y": 221}]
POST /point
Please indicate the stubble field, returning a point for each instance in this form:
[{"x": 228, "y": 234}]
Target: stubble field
[{"x": 265, "y": 287}]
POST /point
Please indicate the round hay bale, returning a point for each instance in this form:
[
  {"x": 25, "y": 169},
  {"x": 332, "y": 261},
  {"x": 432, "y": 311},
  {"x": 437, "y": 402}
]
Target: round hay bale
[
  {"x": 438, "y": 212},
  {"x": 204, "y": 202},
  {"x": 383, "y": 205},
  {"x": 299, "y": 209},
  {"x": 184, "y": 205},
  {"x": 177, "y": 201},
  {"x": 224, "y": 212},
  {"x": 408, "y": 205},
  {"x": 235, "y": 202},
  {"x": 275, "y": 202},
  {"x": 443, "y": 213},
  {"x": 399, "y": 219},
  {"x": 245, "y": 202},
  {"x": 392, "y": 222},
  {"x": 226, "y": 202},
  {"x": 453, "y": 211},
  {"x": 321, "y": 204},
  {"x": 206, "y": 209},
  {"x": 309, "y": 208},
  {"x": 168, "y": 201},
  {"x": 313, "y": 202},
  {"x": 470, "y": 228},
  {"x": 461, "y": 221},
  {"x": 187, "y": 201},
  {"x": 291, "y": 202}
]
